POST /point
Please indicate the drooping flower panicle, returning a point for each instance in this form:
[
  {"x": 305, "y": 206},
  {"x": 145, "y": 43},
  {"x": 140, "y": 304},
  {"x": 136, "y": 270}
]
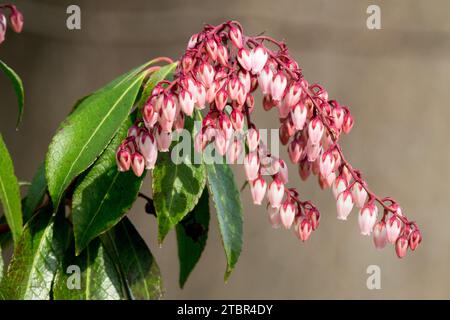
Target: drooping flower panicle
[{"x": 223, "y": 67}]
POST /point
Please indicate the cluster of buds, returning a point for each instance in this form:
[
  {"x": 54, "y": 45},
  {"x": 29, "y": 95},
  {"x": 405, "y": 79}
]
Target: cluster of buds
[
  {"x": 15, "y": 20},
  {"x": 220, "y": 71}
]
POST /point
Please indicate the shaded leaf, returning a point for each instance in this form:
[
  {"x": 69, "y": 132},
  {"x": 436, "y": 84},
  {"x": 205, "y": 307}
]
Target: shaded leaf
[
  {"x": 35, "y": 193},
  {"x": 192, "y": 233},
  {"x": 135, "y": 261},
  {"x": 228, "y": 206},
  {"x": 10, "y": 193},
  {"x": 87, "y": 131},
  {"x": 36, "y": 257},
  {"x": 89, "y": 276},
  {"x": 104, "y": 195},
  {"x": 176, "y": 187},
  {"x": 18, "y": 88}
]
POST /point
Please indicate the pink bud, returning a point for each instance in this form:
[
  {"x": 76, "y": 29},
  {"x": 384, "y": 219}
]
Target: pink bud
[
  {"x": 16, "y": 19},
  {"x": 225, "y": 126},
  {"x": 379, "y": 235},
  {"x": 165, "y": 124},
  {"x": 293, "y": 95},
  {"x": 137, "y": 164},
  {"x": 252, "y": 139},
  {"x": 187, "y": 62},
  {"x": 415, "y": 239},
  {"x": 123, "y": 159},
  {"x": 259, "y": 59},
  {"x": 344, "y": 204},
  {"x": 283, "y": 171},
  {"x": 133, "y": 131},
  {"x": 275, "y": 193},
  {"x": 236, "y": 36},
  {"x": 304, "y": 169},
  {"x": 200, "y": 142},
  {"x": 298, "y": 115},
  {"x": 212, "y": 91},
  {"x": 237, "y": 119},
  {"x": 178, "y": 124},
  {"x": 268, "y": 103},
  {"x": 287, "y": 213},
  {"x": 312, "y": 151},
  {"x": 245, "y": 59},
  {"x": 148, "y": 149},
  {"x": 367, "y": 218},
  {"x": 401, "y": 246},
  {"x": 315, "y": 218},
  {"x": 220, "y": 143},
  {"x": 295, "y": 151},
  {"x": 274, "y": 216},
  {"x": 359, "y": 194},
  {"x": 241, "y": 95},
  {"x": 200, "y": 96},
  {"x": 246, "y": 81},
  {"x": 163, "y": 140},
  {"x": 339, "y": 185},
  {"x": 338, "y": 117},
  {"x": 221, "y": 99},
  {"x": 233, "y": 87},
  {"x": 258, "y": 188},
  {"x": 192, "y": 41},
  {"x": 222, "y": 55},
  {"x": 251, "y": 166},
  {"x": 149, "y": 115},
  {"x": 169, "y": 107},
  {"x": 315, "y": 130},
  {"x": 278, "y": 86},
  {"x": 211, "y": 48},
  {"x": 348, "y": 122},
  {"x": 283, "y": 110},
  {"x": 265, "y": 79},
  {"x": 234, "y": 151},
  {"x": 190, "y": 85},
  {"x": 187, "y": 102},
  {"x": 206, "y": 74},
  {"x": 304, "y": 230},
  {"x": 326, "y": 163},
  {"x": 393, "y": 229}
]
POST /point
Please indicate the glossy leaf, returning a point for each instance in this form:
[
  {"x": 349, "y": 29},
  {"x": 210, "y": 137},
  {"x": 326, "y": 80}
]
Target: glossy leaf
[
  {"x": 35, "y": 194},
  {"x": 192, "y": 233},
  {"x": 104, "y": 195},
  {"x": 88, "y": 130},
  {"x": 18, "y": 88},
  {"x": 176, "y": 187},
  {"x": 10, "y": 193},
  {"x": 225, "y": 194},
  {"x": 36, "y": 258},
  {"x": 89, "y": 276},
  {"x": 135, "y": 261}
]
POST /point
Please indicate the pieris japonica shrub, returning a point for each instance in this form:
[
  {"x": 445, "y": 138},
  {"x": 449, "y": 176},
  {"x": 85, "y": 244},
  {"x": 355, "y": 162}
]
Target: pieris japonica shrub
[{"x": 183, "y": 123}]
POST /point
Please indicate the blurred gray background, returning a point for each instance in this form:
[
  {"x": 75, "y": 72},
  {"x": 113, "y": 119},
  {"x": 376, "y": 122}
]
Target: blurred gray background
[{"x": 395, "y": 80}]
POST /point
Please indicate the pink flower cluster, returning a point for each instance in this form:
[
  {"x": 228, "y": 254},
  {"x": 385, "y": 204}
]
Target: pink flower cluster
[
  {"x": 15, "y": 19},
  {"x": 222, "y": 67}
]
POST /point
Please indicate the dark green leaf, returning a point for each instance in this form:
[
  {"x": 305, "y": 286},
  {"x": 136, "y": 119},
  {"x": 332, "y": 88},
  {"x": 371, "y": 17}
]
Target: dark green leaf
[
  {"x": 9, "y": 192},
  {"x": 176, "y": 187},
  {"x": 2, "y": 266},
  {"x": 228, "y": 205},
  {"x": 104, "y": 195},
  {"x": 87, "y": 131},
  {"x": 135, "y": 261},
  {"x": 36, "y": 257},
  {"x": 35, "y": 193},
  {"x": 18, "y": 88},
  {"x": 192, "y": 233},
  {"x": 89, "y": 276}
]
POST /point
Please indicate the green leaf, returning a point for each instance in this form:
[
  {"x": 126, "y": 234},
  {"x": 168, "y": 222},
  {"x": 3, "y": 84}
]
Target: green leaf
[
  {"x": 89, "y": 276},
  {"x": 104, "y": 195},
  {"x": 36, "y": 257},
  {"x": 87, "y": 131},
  {"x": 154, "y": 79},
  {"x": 228, "y": 205},
  {"x": 18, "y": 88},
  {"x": 35, "y": 193},
  {"x": 9, "y": 192},
  {"x": 192, "y": 233},
  {"x": 176, "y": 187},
  {"x": 135, "y": 261}
]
